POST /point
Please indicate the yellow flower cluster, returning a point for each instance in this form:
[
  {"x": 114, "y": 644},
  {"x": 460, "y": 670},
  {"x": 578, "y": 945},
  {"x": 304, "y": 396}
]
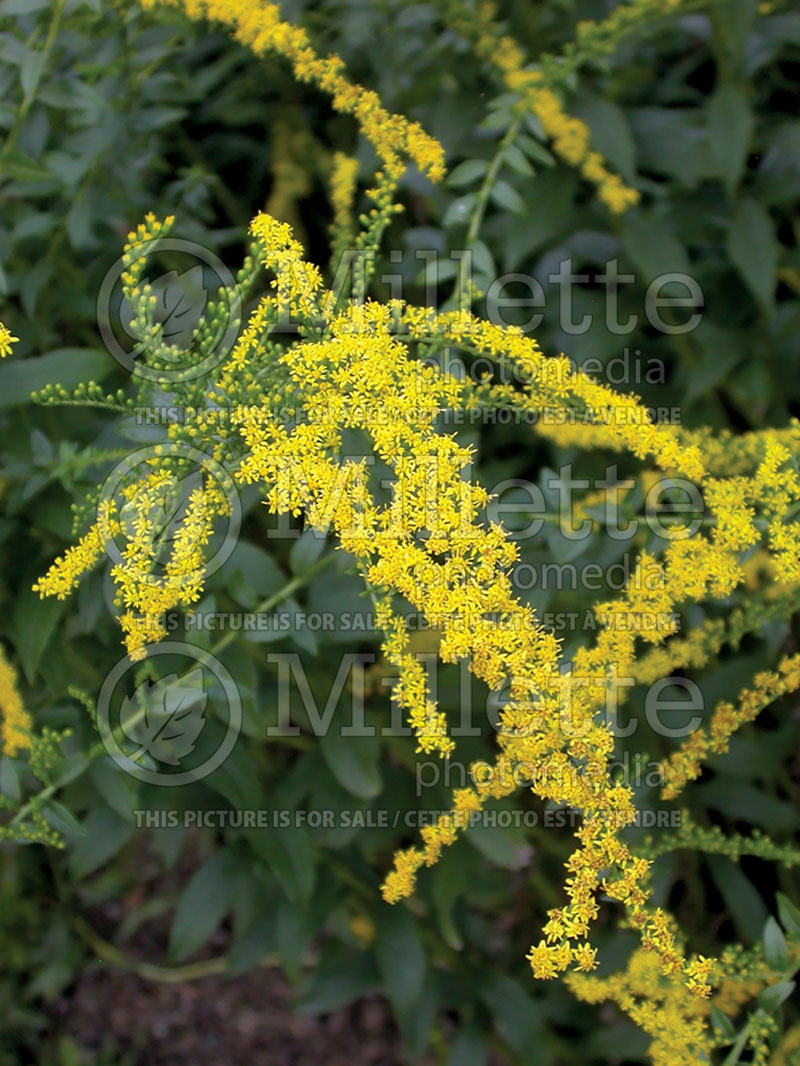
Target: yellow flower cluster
[
  {"x": 703, "y": 642},
  {"x": 294, "y": 156},
  {"x": 411, "y": 690},
  {"x": 429, "y": 543},
  {"x": 16, "y": 722},
  {"x": 295, "y": 281},
  {"x": 146, "y": 595},
  {"x": 65, "y": 573},
  {"x": 149, "y": 230},
  {"x": 778, "y": 484},
  {"x": 597, "y": 39},
  {"x": 257, "y": 24},
  {"x": 673, "y": 1018},
  {"x": 724, "y": 452},
  {"x": 685, "y": 764},
  {"x": 549, "y": 381},
  {"x": 570, "y": 135},
  {"x": 678, "y": 1021},
  {"x": 6, "y": 341},
  {"x": 343, "y": 190}
]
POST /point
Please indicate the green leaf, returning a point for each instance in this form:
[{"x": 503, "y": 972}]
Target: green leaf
[
  {"x": 770, "y": 999},
  {"x": 469, "y": 1048},
  {"x": 289, "y": 856},
  {"x": 673, "y": 141},
  {"x": 497, "y": 120},
  {"x": 65, "y": 366},
  {"x": 482, "y": 261},
  {"x": 515, "y": 159},
  {"x": 534, "y": 124},
  {"x": 63, "y": 820},
  {"x": 261, "y": 574},
  {"x": 236, "y": 777},
  {"x": 741, "y": 898},
  {"x": 23, "y": 7},
  {"x": 495, "y": 844},
  {"x": 20, "y": 167},
  {"x": 118, "y": 789},
  {"x": 35, "y": 620},
  {"x": 610, "y": 133},
  {"x": 722, "y": 350},
  {"x": 535, "y": 151},
  {"x": 506, "y": 197},
  {"x": 467, "y": 172},
  {"x": 31, "y": 72},
  {"x": 730, "y": 126},
  {"x": 252, "y": 945},
  {"x": 174, "y": 716},
  {"x": 449, "y": 882},
  {"x": 788, "y": 913},
  {"x": 516, "y": 1014},
  {"x": 9, "y": 779},
  {"x": 723, "y": 1024},
  {"x": 338, "y": 984},
  {"x": 417, "y": 1023},
  {"x": 754, "y": 251},
  {"x": 775, "y": 950},
  {"x": 80, "y": 219},
  {"x": 654, "y": 248},
  {"x": 203, "y": 904},
  {"x": 104, "y": 834},
  {"x": 459, "y": 210},
  {"x": 306, "y": 550},
  {"x": 353, "y": 761},
  {"x": 400, "y": 956},
  {"x": 293, "y": 936}
]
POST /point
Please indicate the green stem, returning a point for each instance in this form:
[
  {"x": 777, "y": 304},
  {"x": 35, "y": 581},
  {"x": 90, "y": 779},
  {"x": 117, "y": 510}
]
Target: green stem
[
  {"x": 51, "y": 789},
  {"x": 171, "y": 975},
  {"x": 272, "y": 601},
  {"x": 460, "y": 295},
  {"x": 108, "y": 953},
  {"x": 734, "y": 1054}
]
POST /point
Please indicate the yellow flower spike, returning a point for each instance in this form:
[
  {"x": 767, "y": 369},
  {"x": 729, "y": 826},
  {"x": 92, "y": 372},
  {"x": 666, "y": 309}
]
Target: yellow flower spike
[
  {"x": 662, "y": 1006},
  {"x": 66, "y": 572},
  {"x": 570, "y": 136},
  {"x": 257, "y": 25},
  {"x": 16, "y": 722},
  {"x": 685, "y": 764},
  {"x": 343, "y": 191}
]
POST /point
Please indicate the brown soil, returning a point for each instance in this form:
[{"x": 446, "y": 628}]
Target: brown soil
[{"x": 224, "y": 1021}]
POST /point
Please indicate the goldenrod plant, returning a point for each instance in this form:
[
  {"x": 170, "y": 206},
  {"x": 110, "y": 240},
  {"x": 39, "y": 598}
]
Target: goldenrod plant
[{"x": 329, "y": 436}]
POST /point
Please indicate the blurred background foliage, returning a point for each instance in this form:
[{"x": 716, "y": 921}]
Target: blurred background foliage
[{"x": 108, "y": 112}]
